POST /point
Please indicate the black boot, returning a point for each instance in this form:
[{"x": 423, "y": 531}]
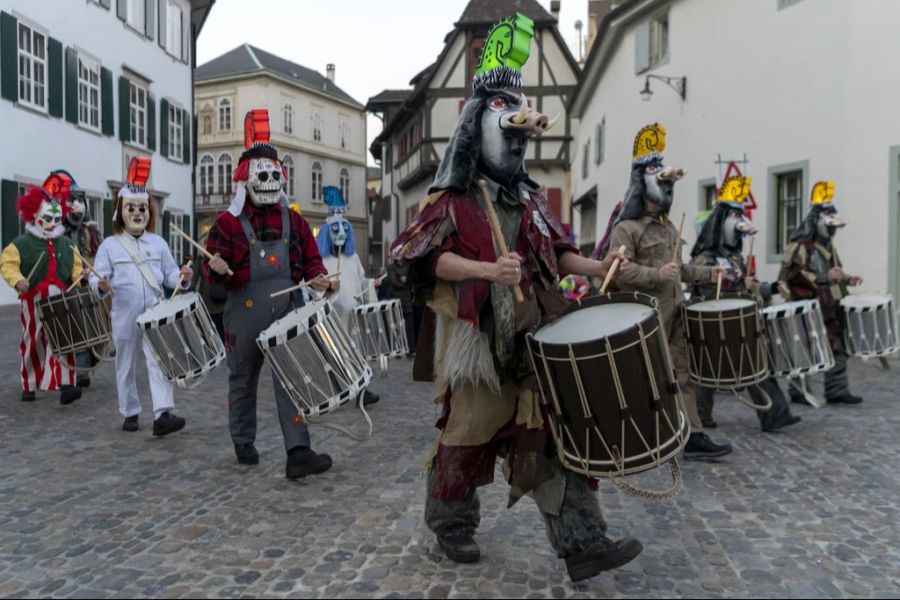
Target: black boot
[
  {"x": 28, "y": 397},
  {"x": 700, "y": 447},
  {"x": 845, "y": 398},
  {"x": 302, "y": 461},
  {"x": 460, "y": 547},
  {"x": 167, "y": 423},
  {"x": 777, "y": 426},
  {"x": 246, "y": 454},
  {"x": 369, "y": 398},
  {"x": 602, "y": 556},
  {"x": 131, "y": 423},
  {"x": 69, "y": 394},
  {"x": 83, "y": 380}
]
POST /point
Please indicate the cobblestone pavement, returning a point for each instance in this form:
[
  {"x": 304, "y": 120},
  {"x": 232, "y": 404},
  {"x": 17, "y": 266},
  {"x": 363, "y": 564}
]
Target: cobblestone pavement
[{"x": 89, "y": 511}]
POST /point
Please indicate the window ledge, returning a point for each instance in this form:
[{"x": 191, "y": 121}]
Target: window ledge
[
  {"x": 33, "y": 108},
  {"x": 138, "y": 147},
  {"x": 88, "y": 129}
]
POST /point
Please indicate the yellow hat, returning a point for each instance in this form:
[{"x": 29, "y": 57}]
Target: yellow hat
[
  {"x": 822, "y": 192},
  {"x": 735, "y": 190},
  {"x": 649, "y": 144}
]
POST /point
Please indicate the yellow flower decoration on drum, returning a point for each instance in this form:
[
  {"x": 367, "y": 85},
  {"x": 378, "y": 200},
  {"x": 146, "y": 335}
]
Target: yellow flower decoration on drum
[
  {"x": 735, "y": 190},
  {"x": 649, "y": 144},
  {"x": 822, "y": 192},
  {"x": 249, "y": 303}
]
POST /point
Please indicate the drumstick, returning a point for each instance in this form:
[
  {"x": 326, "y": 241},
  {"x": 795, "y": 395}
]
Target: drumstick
[
  {"x": 676, "y": 254},
  {"x": 300, "y": 285},
  {"x": 203, "y": 250},
  {"x": 751, "y": 262},
  {"x": 498, "y": 234},
  {"x": 37, "y": 263},
  {"x": 612, "y": 270},
  {"x": 180, "y": 278},
  {"x": 90, "y": 268},
  {"x": 719, "y": 286}
]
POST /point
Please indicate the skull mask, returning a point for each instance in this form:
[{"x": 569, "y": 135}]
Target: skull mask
[
  {"x": 135, "y": 215},
  {"x": 339, "y": 233},
  {"x": 265, "y": 182},
  {"x": 48, "y": 219}
]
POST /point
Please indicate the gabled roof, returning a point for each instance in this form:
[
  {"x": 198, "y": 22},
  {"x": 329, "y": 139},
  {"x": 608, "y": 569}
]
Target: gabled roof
[
  {"x": 250, "y": 59},
  {"x": 488, "y": 12},
  {"x": 386, "y": 98}
]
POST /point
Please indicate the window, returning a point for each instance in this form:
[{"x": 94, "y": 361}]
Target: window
[
  {"x": 176, "y": 132},
  {"x": 88, "y": 93},
  {"x": 135, "y": 14},
  {"x": 138, "y": 114},
  {"x": 587, "y": 239},
  {"x": 224, "y": 183},
  {"x": 175, "y": 24},
  {"x": 317, "y": 127},
  {"x": 789, "y": 195},
  {"x": 288, "y": 118},
  {"x": 345, "y": 135},
  {"x": 94, "y": 207},
  {"x": 205, "y": 175},
  {"x": 32, "y": 67},
  {"x": 288, "y": 163},
  {"x": 708, "y": 198},
  {"x": 224, "y": 114},
  {"x": 345, "y": 184},
  {"x": 659, "y": 40},
  {"x": 207, "y": 125},
  {"x": 585, "y": 159},
  {"x": 175, "y": 243},
  {"x": 316, "y": 182},
  {"x": 599, "y": 139}
]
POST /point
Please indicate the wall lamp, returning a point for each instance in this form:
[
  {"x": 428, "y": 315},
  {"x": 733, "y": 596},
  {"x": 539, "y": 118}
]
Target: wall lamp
[{"x": 679, "y": 84}]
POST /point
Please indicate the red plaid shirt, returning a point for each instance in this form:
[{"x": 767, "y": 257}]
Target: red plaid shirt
[{"x": 228, "y": 240}]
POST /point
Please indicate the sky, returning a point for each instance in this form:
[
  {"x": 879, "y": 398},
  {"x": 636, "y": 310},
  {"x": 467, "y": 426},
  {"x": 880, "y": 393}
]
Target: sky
[{"x": 374, "y": 44}]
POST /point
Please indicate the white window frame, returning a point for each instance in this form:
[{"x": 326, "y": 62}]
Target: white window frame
[
  {"x": 287, "y": 114},
  {"x": 175, "y": 39},
  {"x": 176, "y": 132},
  {"x": 344, "y": 179},
  {"x": 317, "y": 123},
  {"x": 94, "y": 208},
  {"x": 27, "y": 57},
  {"x": 288, "y": 162},
  {"x": 224, "y": 114},
  {"x": 345, "y": 135},
  {"x": 316, "y": 172},
  {"x": 224, "y": 171},
  {"x": 175, "y": 242},
  {"x": 206, "y": 175},
  {"x": 139, "y": 123},
  {"x": 137, "y": 19},
  {"x": 784, "y": 205},
  {"x": 89, "y": 95}
]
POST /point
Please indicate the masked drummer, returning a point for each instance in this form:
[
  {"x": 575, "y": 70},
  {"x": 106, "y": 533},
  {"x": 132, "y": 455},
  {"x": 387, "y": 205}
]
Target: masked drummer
[
  {"x": 811, "y": 269},
  {"x": 337, "y": 245},
  {"x": 39, "y": 264},
  {"x": 721, "y": 242},
  {"x": 268, "y": 247},
  {"x": 485, "y": 380},
  {"x": 134, "y": 265},
  {"x": 650, "y": 239}
]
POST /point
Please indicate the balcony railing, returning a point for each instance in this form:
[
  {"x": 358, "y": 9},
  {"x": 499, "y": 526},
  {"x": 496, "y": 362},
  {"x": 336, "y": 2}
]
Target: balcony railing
[{"x": 212, "y": 202}]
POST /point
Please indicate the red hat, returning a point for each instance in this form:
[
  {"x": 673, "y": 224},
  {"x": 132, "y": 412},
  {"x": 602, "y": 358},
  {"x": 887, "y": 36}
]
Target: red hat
[
  {"x": 256, "y": 142},
  {"x": 59, "y": 185},
  {"x": 136, "y": 180}
]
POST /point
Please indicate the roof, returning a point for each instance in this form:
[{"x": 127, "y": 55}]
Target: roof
[
  {"x": 488, "y": 12},
  {"x": 199, "y": 12},
  {"x": 387, "y": 97},
  {"x": 250, "y": 59}
]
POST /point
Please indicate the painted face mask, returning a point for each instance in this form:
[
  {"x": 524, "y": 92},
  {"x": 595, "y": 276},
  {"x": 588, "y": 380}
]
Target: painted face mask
[
  {"x": 265, "y": 182},
  {"x": 136, "y": 215},
  {"x": 506, "y": 125},
  {"x": 48, "y": 219},
  {"x": 76, "y": 209},
  {"x": 736, "y": 226},
  {"x": 828, "y": 224},
  {"x": 659, "y": 181},
  {"x": 339, "y": 233}
]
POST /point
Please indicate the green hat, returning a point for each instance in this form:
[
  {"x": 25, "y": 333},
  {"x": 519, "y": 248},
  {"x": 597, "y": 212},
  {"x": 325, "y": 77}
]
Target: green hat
[{"x": 506, "y": 48}]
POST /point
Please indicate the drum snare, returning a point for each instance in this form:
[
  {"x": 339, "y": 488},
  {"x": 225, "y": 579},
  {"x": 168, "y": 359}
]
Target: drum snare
[
  {"x": 870, "y": 325},
  {"x": 798, "y": 340}
]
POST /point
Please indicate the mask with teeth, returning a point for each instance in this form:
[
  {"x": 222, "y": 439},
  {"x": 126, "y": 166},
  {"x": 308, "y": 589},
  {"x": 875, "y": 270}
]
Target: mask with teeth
[
  {"x": 48, "y": 218},
  {"x": 265, "y": 182}
]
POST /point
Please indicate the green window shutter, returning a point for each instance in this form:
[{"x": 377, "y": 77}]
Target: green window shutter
[
  {"x": 9, "y": 57},
  {"x": 186, "y": 136},
  {"x": 163, "y": 127},
  {"x": 55, "y": 76},
  {"x": 163, "y": 15},
  {"x": 122, "y": 9},
  {"x": 186, "y": 248},
  {"x": 107, "y": 217},
  {"x": 107, "y": 111},
  {"x": 165, "y": 226},
  {"x": 151, "y": 122},
  {"x": 71, "y": 85},
  {"x": 149, "y": 18},
  {"x": 9, "y": 190},
  {"x": 124, "y": 108}
]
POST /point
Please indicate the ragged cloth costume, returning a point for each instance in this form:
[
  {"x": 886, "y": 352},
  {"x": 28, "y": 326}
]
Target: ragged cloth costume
[
  {"x": 46, "y": 259},
  {"x": 720, "y": 242},
  {"x": 805, "y": 268},
  {"x": 472, "y": 343}
]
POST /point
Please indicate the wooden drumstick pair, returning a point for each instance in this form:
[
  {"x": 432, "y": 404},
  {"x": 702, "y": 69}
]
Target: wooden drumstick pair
[
  {"x": 498, "y": 234},
  {"x": 301, "y": 285},
  {"x": 203, "y": 250},
  {"x": 187, "y": 261}
]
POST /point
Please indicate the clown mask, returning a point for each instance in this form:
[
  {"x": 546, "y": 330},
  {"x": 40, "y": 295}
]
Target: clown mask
[
  {"x": 339, "y": 233},
  {"x": 47, "y": 220},
  {"x": 136, "y": 215},
  {"x": 265, "y": 182}
]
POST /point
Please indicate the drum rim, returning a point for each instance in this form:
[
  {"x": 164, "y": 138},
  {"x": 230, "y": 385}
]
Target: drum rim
[
  {"x": 193, "y": 300},
  {"x": 204, "y": 369},
  {"x": 886, "y": 301},
  {"x": 600, "y": 300},
  {"x": 800, "y": 307},
  {"x": 379, "y": 306},
  {"x": 319, "y": 315},
  {"x": 338, "y": 400},
  {"x": 690, "y": 305}
]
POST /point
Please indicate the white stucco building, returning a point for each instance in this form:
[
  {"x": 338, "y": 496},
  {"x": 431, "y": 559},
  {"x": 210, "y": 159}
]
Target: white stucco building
[
  {"x": 799, "y": 86},
  {"x": 86, "y": 85}
]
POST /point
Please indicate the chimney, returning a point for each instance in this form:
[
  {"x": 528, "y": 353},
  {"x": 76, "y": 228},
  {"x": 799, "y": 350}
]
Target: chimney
[
  {"x": 554, "y": 9},
  {"x": 329, "y": 72}
]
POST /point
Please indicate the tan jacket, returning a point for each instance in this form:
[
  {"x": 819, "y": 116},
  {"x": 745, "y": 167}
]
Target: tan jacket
[{"x": 649, "y": 244}]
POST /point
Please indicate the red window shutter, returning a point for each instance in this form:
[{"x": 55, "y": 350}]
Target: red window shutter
[{"x": 554, "y": 199}]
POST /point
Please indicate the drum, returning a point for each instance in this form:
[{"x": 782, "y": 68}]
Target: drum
[
  {"x": 604, "y": 368},
  {"x": 75, "y": 321},
  {"x": 798, "y": 340},
  {"x": 870, "y": 324},
  {"x": 726, "y": 342},
  {"x": 183, "y": 339},
  {"x": 381, "y": 330},
  {"x": 314, "y": 358}
]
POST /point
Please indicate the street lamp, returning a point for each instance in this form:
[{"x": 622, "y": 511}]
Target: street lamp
[{"x": 679, "y": 84}]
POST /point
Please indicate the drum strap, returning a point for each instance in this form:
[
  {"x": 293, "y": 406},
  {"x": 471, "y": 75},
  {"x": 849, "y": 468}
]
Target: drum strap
[{"x": 134, "y": 252}]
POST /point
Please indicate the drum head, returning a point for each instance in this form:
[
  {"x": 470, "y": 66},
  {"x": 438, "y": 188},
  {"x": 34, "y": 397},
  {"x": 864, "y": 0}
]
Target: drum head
[
  {"x": 168, "y": 308},
  {"x": 593, "y": 322},
  {"x": 297, "y": 321},
  {"x": 861, "y": 301},
  {"x": 721, "y": 305}
]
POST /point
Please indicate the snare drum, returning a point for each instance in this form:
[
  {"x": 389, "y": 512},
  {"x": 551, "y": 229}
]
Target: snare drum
[
  {"x": 183, "y": 339},
  {"x": 726, "y": 342},
  {"x": 798, "y": 340},
  {"x": 381, "y": 330},
  {"x": 75, "y": 321},
  {"x": 314, "y": 358},
  {"x": 870, "y": 324},
  {"x": 605, "y": 370}
]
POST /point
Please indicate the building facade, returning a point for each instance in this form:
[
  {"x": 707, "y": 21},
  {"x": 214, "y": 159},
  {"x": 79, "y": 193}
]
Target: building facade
[
  {"x": 319, "y": 130},
  {"x": 418, "y": 122},
  {"x": 795, "y": 86},
  {"x": 84, "y": 86}
]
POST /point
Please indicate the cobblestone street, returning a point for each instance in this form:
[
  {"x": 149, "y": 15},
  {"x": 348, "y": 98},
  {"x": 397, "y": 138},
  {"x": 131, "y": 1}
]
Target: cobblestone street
[{"x": 87, "y": 510}]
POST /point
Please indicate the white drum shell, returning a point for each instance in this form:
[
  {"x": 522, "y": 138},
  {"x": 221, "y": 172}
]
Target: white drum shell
[
  {"x": 381, "y": 330},
  {"x": 798, "y": 340},
  {"x": 870, "y": 325}
]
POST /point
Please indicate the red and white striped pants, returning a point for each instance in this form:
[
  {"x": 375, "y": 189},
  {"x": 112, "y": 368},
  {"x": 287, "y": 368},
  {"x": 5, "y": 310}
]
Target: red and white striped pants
[{"x": 40, "y": 369}]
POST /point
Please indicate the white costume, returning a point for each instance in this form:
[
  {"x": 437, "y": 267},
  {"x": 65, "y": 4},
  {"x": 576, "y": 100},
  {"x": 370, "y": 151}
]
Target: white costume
[
  {"x": 353, "y": 282},
  {"x": 133, "y": 295}
]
